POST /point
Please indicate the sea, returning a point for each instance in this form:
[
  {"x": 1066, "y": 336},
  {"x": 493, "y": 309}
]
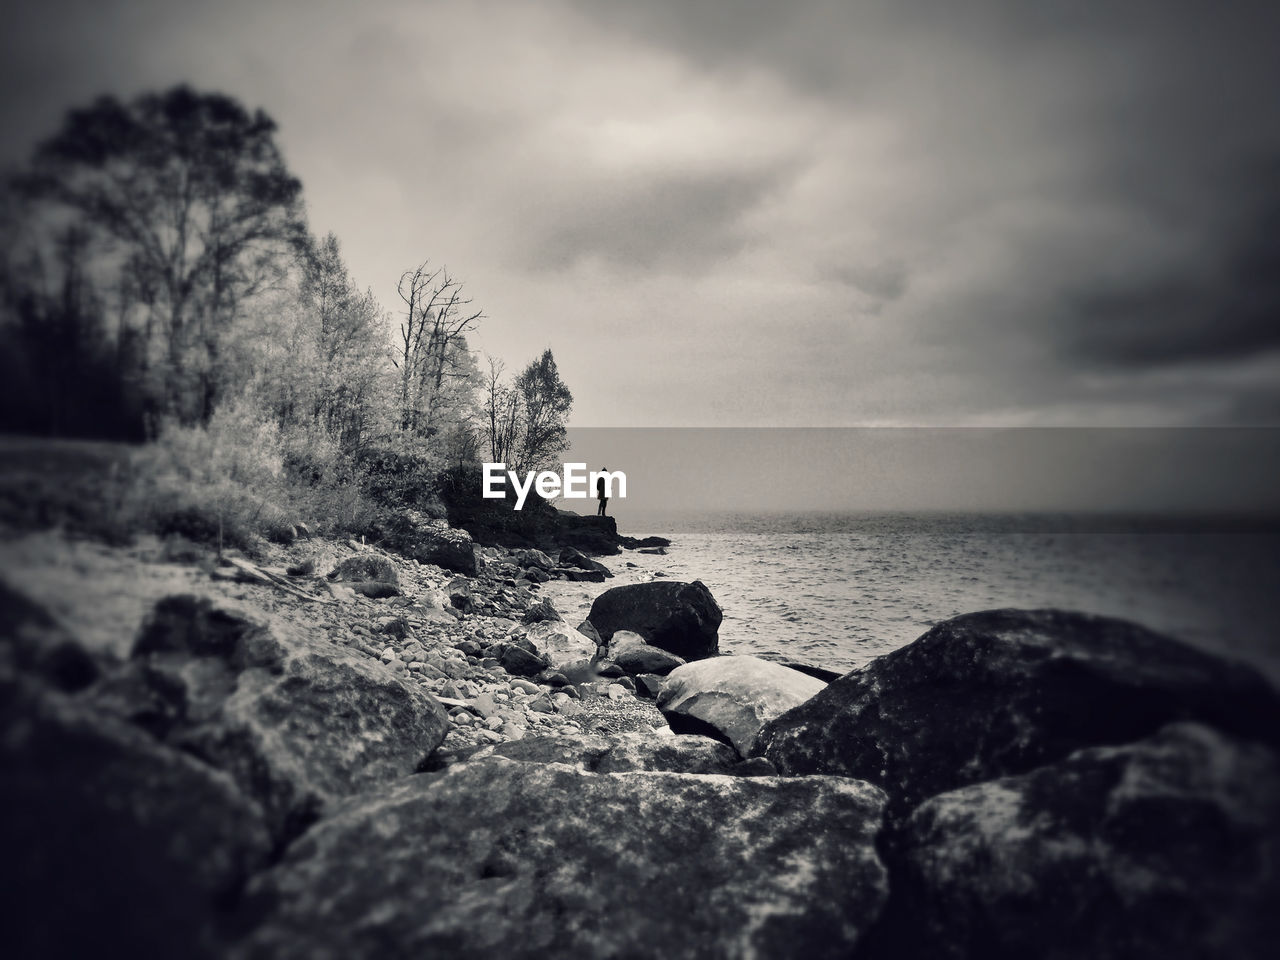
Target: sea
[{"x": 837, "y": 590}]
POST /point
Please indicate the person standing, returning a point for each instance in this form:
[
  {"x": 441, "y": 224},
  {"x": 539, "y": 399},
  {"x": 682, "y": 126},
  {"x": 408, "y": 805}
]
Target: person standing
[{"x": 602, "y": 492}]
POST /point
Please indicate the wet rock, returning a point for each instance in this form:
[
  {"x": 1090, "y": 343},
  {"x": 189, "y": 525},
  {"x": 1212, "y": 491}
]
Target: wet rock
[
  {"x": 101, "y": 821},
  {"x": 1163, "y": 849},
  {"x": 681, "y": 618},
  {"x": 1004, "y": 691},
  {"x": 796, "y": 876},
  {"x": 298, "y": 725},
  {"x": 732, "y": 696}
]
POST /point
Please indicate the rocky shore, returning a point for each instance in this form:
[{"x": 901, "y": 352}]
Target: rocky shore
[{"x": 337, "y": 750}]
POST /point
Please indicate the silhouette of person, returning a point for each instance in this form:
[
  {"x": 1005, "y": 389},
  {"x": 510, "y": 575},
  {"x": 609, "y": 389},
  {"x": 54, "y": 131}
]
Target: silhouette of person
[{"x": 601, "y": 493}]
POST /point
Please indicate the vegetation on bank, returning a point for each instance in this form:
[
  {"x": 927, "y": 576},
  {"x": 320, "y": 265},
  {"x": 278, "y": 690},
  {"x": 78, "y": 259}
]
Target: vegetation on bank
[{"x": 159, "y": 283}]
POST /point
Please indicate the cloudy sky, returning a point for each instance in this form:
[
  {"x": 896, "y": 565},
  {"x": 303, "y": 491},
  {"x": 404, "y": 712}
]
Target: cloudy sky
[{"x": 813, "y": 213}]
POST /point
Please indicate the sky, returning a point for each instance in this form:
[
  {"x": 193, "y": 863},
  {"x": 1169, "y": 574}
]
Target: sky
[{"x": 814, "y": 213}]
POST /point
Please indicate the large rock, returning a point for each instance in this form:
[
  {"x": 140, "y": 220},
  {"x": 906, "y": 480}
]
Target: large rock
[
  {"x": 496, "y": 858},
  {"x": 622, "y": 753},
  {"x": 298, "y": 724},
  {"x": 681, "y": 618},
  {"x": 734, "y": 696},
  {"x": 113, "y": 843},
  {"x": 590, "y": 534},
  {"x": 558, "y": 643},
  {"x": 569, "y": 557},
  {"x": 416, "y": 536},
  {"x": 1161, "y": 850},
  {"x": 635, "y": 656},
  {"x": 1001, "y": 692}
]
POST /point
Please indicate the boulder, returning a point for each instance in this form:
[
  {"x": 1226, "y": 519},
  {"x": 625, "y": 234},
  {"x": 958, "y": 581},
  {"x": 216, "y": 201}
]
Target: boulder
[
  {"x": 681, "y": 618},
  {"x": 533, "y": 559},
  {"x": 732, "y": 696},
  {"x": 594, "y": 535},
  {"x": 544, "y": 872},
  {"x": 646, "y": 659},
  {"x": 297, "y": 724},
  {"x": 649, "y": 685},
  {"x": 1001, "y": 692},
  {"x": 365, "y": 567},
  {"x": 520, "y": 662},
  {"x": 569, "y": 557},
  {"x": 622, "y": 753},
  {"x": 114, "y": 843},
  {"x": 418, "y": 537},
  {"x": 1159, "y": 850},
  {"x": 460, "y": 596},
  {"x": 559, "y": 644},
  {"x": 544, "y": 609}
]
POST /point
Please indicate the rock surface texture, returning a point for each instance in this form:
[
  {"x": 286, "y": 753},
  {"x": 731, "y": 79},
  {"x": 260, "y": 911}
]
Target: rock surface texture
[
  {"x": 1164, "y": 849},
  {"x": 1001, "y": 692},
  {"x": 681, "y": 618},
  {"x": 558, "y": 862}
]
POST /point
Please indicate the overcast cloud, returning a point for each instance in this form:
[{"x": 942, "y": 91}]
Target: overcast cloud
[{"x": 757, "y": 213}]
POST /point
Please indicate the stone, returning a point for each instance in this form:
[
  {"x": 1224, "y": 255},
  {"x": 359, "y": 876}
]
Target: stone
[
  {"x": 304, "y": 569},
  {"x": 732, "y": 697},
  {"x": 533, "y": 559},
  {"x": 578, "y": 575},
  {"x": 569, "y": 557},
  {"x": 625, "y": 753},
  {"x": 375, "y": 589},
  {"x": 397, "y": 627},
  {"x": 560, "y": 644},
  {"x": 587, "y": 629},
  {"x": 681, "y": 618},
  {"x": 460, "y": 595},
  {"x": 649, "y": 685},
  {"x": 645, "y": 658},
  {"x": 365, "y": 567},
  {"x": 543, "y": 610},
  {"x": 1164, "y": 848},
  {"x": 795, "y": 875},
  {"x": 1001, "y": 692},
  {"x": 297, "y": 724},
  {"x": 418, "y": 537},
  {"x": 536, "y": 575},
  {"x": 101, "y": 821},
  {"x": 33, "y": 642},
  {"x": 521, "y": 663}
]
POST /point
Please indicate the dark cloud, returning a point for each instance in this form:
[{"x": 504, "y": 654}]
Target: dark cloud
[{"x": 677, "y": 222}]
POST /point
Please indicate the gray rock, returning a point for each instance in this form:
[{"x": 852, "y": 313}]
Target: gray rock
[
  {"x": 101, "y": 821},
  {"x": 296, "y": 723},
  {"x": 1002, "y": 692},
  {"x": 365, "y": 567},
  {"x": 560, "y": 644},
  {"x": 681, "y": 618},
  {"x": 542, "y": 610},
  {"x": 569, "y": 557},
  {"x": 544, "y": 872},
  {"x": 624, "y": 753},
  {"x": 414, "y": 535},
  {"x": 521, "y": 663},
  {"x": 1160, "y": 850},
  {"x": 734, "y": 696}
]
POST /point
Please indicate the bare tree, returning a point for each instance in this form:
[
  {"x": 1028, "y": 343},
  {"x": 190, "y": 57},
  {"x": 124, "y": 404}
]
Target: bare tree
[{"x": 437, "y": 318}]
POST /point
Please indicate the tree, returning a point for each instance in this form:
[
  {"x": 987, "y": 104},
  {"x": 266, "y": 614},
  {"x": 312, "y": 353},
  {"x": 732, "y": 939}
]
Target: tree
[
  {"x": 195, "y": 210},
  {"x": 432, "y": 347},
  {"x": 545, "y": 402}
]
